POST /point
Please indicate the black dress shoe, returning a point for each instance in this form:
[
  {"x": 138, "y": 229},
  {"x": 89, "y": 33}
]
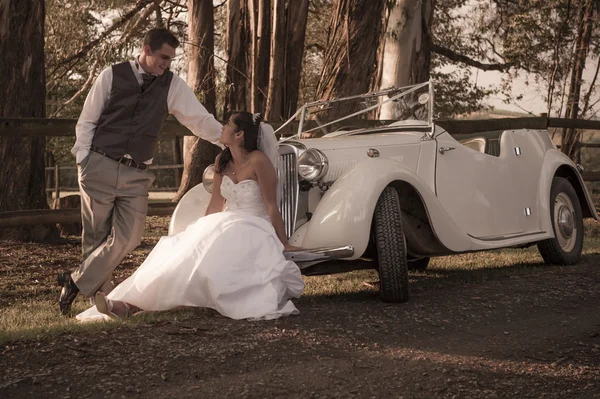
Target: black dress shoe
[{"x": 68, "y": 293}]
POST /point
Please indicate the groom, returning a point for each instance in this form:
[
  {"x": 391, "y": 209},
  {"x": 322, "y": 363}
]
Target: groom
[{"x": 117, "y": 135}]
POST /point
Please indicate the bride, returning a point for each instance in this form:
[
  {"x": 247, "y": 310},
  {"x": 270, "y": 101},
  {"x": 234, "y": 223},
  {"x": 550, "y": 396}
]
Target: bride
[{"x": 230, "y": 260}]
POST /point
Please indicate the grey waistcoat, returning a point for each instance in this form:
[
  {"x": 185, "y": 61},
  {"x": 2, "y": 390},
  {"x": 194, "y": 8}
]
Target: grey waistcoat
[{"x": 131, "y": 121}]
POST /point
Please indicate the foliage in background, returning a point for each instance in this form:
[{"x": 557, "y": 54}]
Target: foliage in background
[{"x": 531, "y": 40}]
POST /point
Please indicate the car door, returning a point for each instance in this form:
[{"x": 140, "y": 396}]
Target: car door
[
  {"x": 530, "y": 147},
  {"x": 477, "y": 189}
]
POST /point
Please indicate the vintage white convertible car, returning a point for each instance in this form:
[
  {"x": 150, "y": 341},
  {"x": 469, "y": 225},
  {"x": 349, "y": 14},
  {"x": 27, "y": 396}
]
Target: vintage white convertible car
[{"x": 390, "y": 197}]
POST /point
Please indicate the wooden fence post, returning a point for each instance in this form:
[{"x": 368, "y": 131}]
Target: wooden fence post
[
  {"x": 56, "y": 181},
  {"x": 177, "y": 159}
]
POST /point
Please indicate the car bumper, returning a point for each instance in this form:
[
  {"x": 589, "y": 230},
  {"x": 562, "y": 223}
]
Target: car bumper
[{"x": 319, "y": 254}]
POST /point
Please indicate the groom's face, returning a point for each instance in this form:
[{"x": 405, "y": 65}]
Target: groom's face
[{"x": 159, "y": 60}]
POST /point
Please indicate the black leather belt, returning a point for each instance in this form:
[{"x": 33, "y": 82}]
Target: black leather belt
[{"x": 123, "y": 160}]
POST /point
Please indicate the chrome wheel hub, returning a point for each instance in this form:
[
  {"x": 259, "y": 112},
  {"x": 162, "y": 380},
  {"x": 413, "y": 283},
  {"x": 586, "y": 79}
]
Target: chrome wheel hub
[{"x": 564, "y": 222}]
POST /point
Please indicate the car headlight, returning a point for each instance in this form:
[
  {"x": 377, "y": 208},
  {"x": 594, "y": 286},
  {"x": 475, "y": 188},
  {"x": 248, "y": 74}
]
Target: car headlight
[
  {"x": 312, "y": 165},
  {"x": 208, "y": 176}
]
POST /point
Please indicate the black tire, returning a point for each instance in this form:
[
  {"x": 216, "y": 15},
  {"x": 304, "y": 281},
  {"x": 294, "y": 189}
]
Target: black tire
[
  {"x": 418, "y": 265},
  {"x": 391, "y": 248},
  {"x": 563, "y": 249}
]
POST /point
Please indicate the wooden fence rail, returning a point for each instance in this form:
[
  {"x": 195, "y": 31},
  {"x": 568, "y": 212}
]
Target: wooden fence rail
[
  {"x": 72, "y": 215},
  {"x": 66, "y": 127},
  {"x": 56, "y": 170}
]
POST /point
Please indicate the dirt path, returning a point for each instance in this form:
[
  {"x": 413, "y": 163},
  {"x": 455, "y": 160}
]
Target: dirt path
[{"x": 519, "y": 334}]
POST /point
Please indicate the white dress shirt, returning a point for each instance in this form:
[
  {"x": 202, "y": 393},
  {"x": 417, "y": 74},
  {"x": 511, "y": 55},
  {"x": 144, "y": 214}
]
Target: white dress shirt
[{"x": 181, "y": 102}]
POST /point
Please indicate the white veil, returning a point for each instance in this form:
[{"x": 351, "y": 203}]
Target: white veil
[{"x": 267, "y": 143}]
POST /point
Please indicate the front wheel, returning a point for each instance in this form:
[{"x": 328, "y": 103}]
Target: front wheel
[
  {"x": 567, "y": 223},
  {"x": 391, "y": 247}
]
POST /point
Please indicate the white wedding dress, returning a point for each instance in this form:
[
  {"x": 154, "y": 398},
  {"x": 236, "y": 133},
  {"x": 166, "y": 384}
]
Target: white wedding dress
[{"x": 231, "y": 261}]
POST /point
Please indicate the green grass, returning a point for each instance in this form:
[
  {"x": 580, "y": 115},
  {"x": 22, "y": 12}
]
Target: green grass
[{"x": 39, "y": 319}]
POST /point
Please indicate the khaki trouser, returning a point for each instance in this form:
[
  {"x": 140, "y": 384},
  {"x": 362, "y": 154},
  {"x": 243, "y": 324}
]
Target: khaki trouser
[{"x": 114, "y": 203}]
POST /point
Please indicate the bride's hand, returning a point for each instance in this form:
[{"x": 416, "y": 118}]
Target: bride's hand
[{"x": 291, "y": 248}]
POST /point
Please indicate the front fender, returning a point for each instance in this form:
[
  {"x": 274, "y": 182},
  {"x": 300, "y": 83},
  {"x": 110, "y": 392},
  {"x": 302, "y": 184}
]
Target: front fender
[
  {"x": 345, "y": 212},
  {"x": 191, "y": 207},
  {"x": 557, "y": 163}
]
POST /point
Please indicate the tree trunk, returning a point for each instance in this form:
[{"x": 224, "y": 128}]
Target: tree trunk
[
  {"x": 260, "y": 44},
  {"x": 198, "y": 153},
  {"x": 274, "y": 108},
  {"x": 407, "y": 48},
  {"x": 570, "y": 138},
  {"x": 297, "y": 16},
  {"x": 237, "y": 49},
  {"x": 350, "y": 59},
  {"x": 23, "y": 86}
]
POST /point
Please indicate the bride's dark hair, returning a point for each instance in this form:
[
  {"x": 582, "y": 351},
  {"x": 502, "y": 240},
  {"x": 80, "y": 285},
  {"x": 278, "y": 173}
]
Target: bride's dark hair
[{"x": 249, "y": 123}]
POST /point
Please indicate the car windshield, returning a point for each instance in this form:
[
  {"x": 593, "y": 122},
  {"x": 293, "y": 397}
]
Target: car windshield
[{"x": 404, "y": 106}]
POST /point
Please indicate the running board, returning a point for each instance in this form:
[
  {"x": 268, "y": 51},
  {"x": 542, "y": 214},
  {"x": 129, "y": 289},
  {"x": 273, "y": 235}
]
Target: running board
[
  {"x": 319, "y": 254},
  {"x": 507, "y": 237}
]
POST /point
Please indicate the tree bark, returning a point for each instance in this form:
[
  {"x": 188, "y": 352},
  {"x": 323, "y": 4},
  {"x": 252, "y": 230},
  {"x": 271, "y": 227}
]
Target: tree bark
[
  {"x": 274, "y": 108},
  {"x": 407, "y": 48},
  {"x": 350, "y": 59},
  {"x": 237, "y": 52},
  {"x": 570, "y": 138},
  {"x": 297, "y": 17},
  {"x": 23, "y": 86},
  {"x": 260, "y": 44},
  {"x": 198, "y": 153}
]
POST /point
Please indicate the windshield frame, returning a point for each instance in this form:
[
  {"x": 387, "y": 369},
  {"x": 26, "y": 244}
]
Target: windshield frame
[{"x": 393, "y": 93}]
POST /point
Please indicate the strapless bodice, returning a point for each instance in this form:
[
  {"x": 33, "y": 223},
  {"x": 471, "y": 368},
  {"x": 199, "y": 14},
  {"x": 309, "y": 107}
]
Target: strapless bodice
[{"x": 244, "y": 196}]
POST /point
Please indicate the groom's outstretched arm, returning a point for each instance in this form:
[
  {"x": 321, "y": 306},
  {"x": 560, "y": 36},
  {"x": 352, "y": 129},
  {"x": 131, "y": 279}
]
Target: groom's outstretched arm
[{"x": 184, "y": 105}]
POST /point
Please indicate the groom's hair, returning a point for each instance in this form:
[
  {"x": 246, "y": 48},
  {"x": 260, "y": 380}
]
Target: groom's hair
[
  {"x": 247, "y": 122},
  {"x": 156, "y": 37}
]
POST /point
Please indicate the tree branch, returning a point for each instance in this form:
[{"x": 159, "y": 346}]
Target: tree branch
[
  {"x": 453, "y": 56},
  {"x": 493, "y": 46},
  {"x": 159, "y": 20},
  {"x": 595, "y": 112},
  {"x": 140, "y": 4},
  {"x": 140, "y": 22},
  {"x": 173, "y": 3},
  {"x": 220, "y": 5},
  {"x": 85, "y": 87},
  {"x": 586, "y": 101}
]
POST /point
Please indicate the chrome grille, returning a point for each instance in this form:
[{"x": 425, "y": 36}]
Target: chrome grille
[{"x": 288, "y": 187}]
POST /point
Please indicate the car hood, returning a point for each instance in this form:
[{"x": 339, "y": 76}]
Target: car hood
[{"x": 361, "y": 141}]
